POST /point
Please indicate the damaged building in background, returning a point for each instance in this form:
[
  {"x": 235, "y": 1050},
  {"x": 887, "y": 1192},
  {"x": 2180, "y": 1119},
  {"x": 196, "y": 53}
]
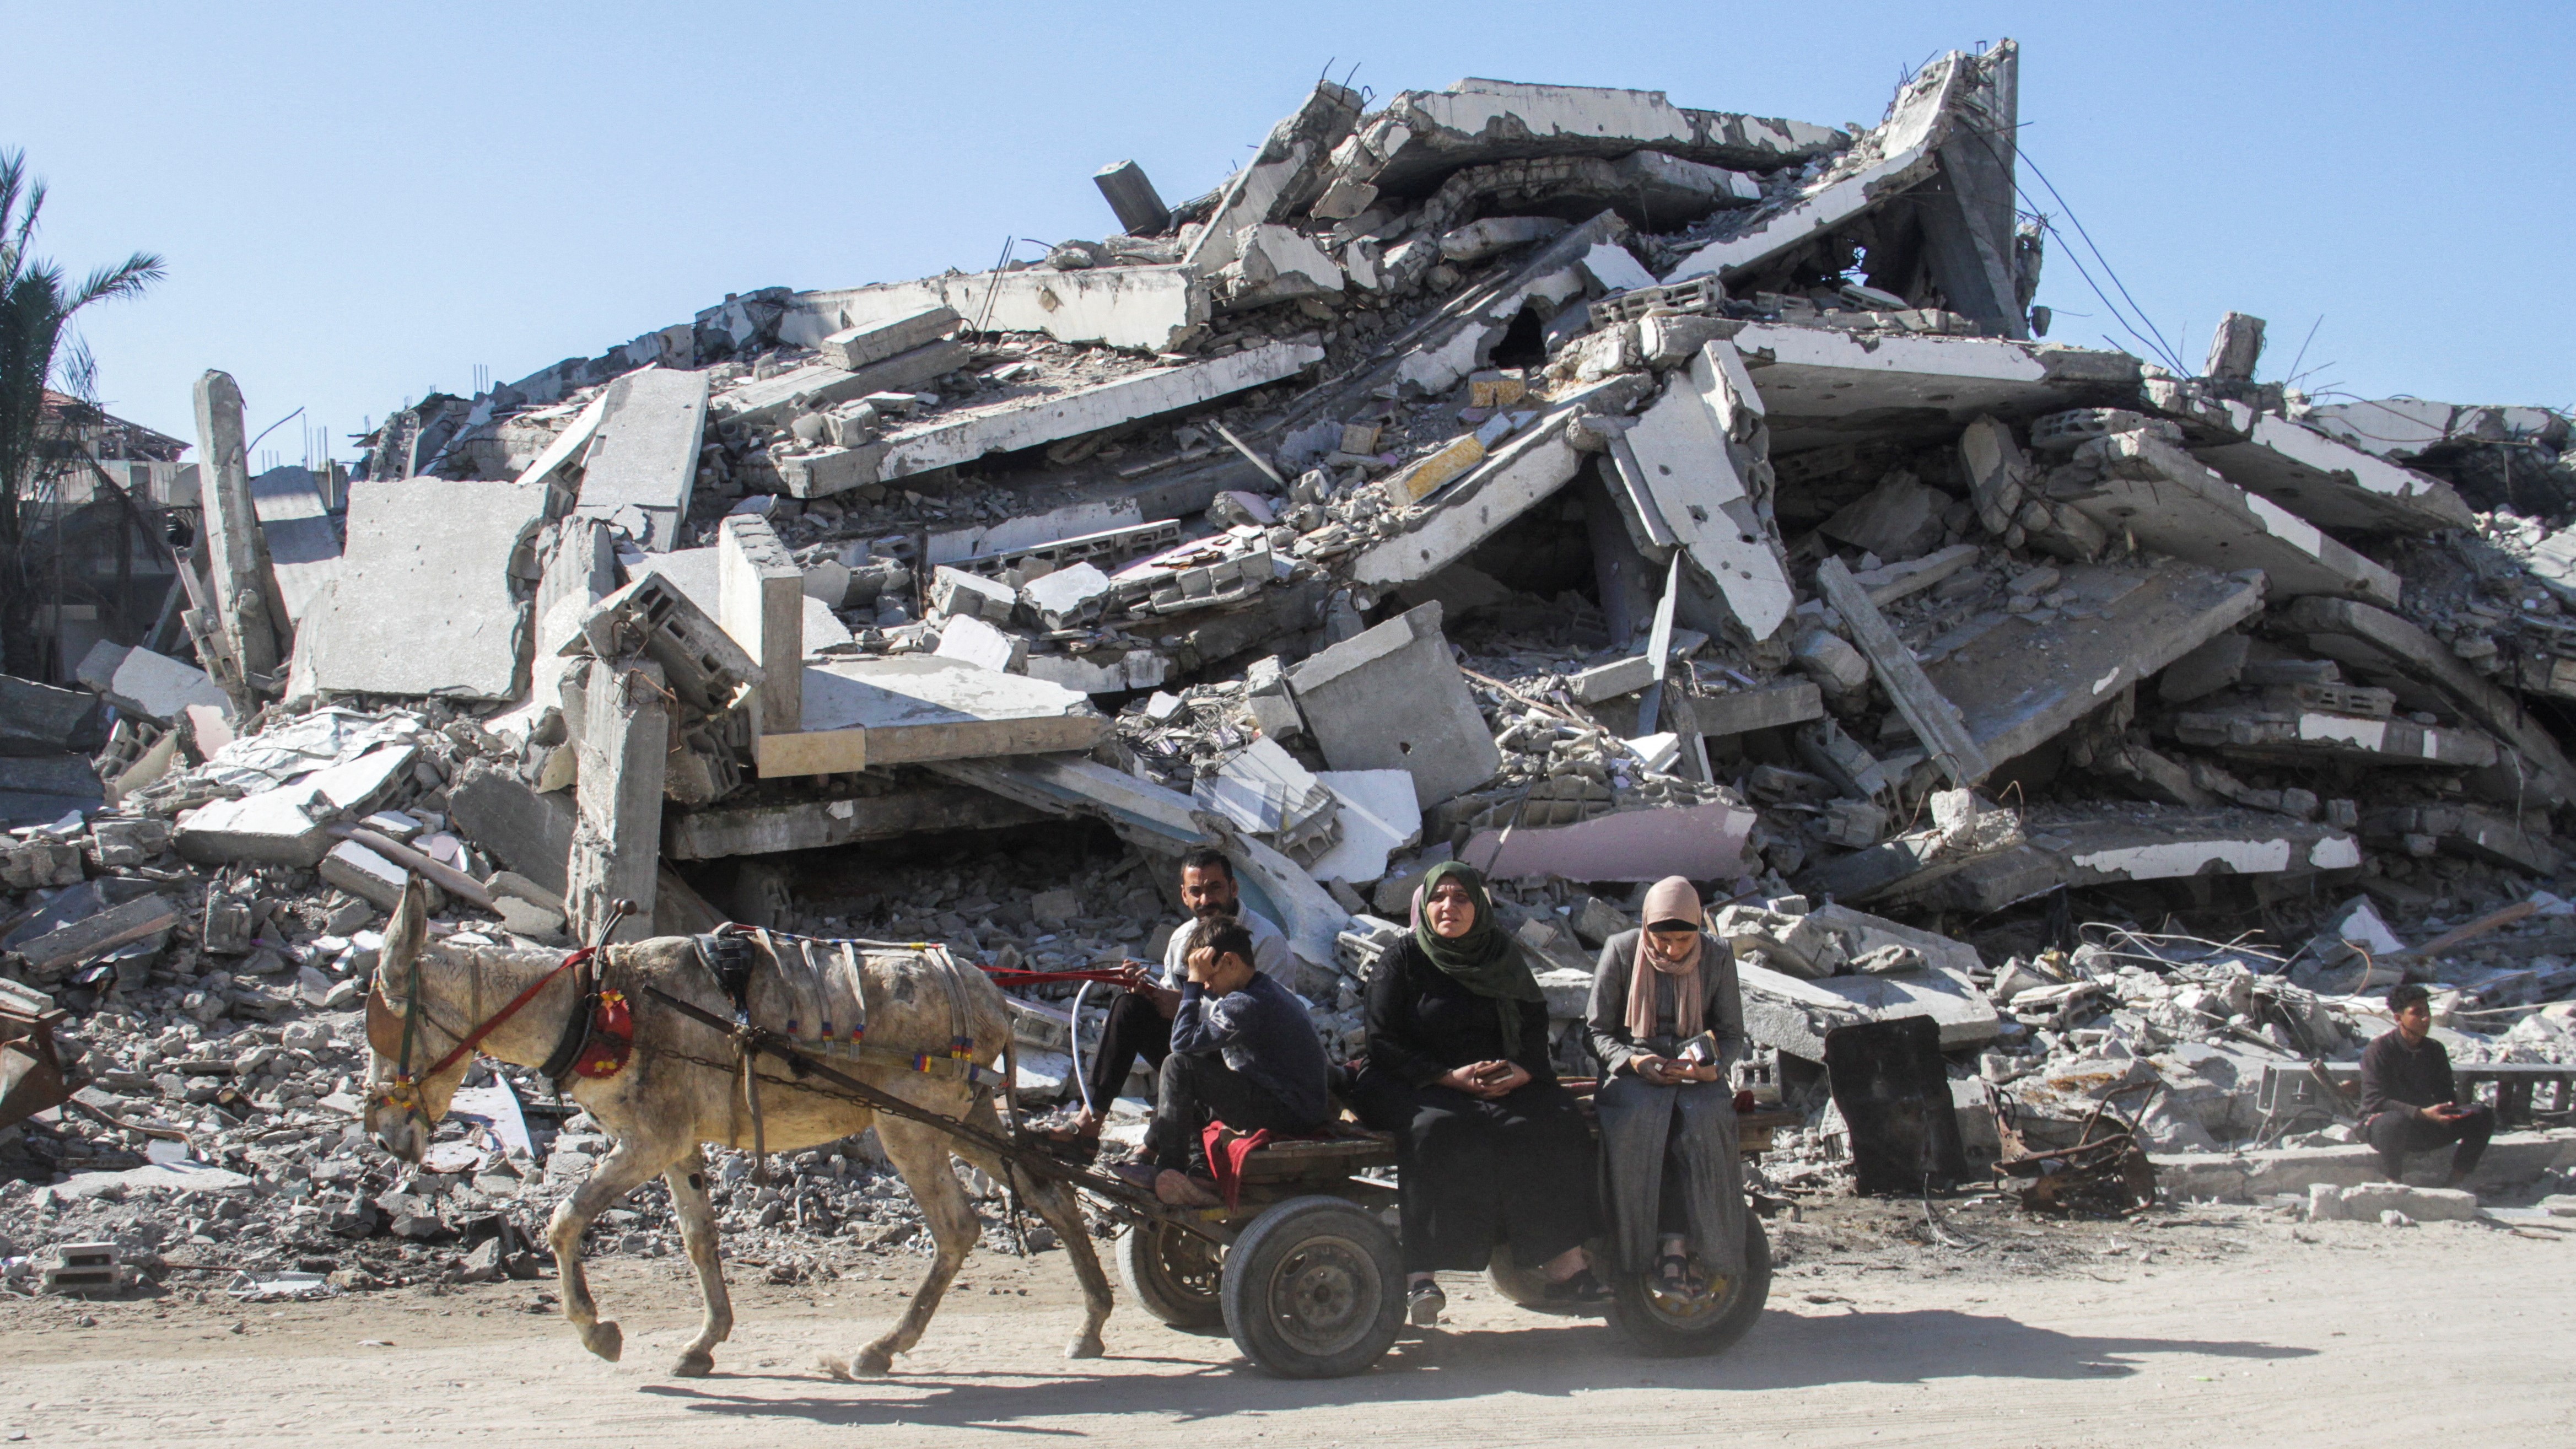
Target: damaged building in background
[{"x": 1555, "y": 478}]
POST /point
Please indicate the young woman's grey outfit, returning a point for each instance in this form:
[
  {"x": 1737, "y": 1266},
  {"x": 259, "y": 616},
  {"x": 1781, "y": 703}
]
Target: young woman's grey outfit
[{"x": 1694, "y": 1120}]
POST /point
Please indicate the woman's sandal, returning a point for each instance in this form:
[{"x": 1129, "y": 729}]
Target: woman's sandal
[
  {"x": 1581, "y": 1288},
  {"x": 1672, "y": 1276},
  {"x": 1423, "y": 1305}
]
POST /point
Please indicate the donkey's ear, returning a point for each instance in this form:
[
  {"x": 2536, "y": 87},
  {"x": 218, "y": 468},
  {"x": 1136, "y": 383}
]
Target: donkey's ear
[{"x": 408, "y": 931}]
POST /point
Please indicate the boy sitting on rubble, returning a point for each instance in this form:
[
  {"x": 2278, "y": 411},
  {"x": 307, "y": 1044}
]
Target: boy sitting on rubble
[
  {"x": 1243, "y": 1053},
  {"x": 2408, "y": 1102}
]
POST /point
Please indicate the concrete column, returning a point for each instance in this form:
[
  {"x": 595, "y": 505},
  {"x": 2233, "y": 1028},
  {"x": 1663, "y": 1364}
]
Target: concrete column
[
  {"x": 237, "y": 553},
  {"x": 621, "y": 709},
  {"x": 760, "y": 601},
  {"x": 1140, "y": 209},
  {"x": 2234, "y": 348}
]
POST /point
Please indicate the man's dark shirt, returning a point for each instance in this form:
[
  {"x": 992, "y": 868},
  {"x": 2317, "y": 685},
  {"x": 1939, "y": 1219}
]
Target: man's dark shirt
[{"x": 2395, "y": 1075}]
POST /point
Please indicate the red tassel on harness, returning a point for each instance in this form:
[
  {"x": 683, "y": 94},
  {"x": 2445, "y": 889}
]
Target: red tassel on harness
[{"x": 612, "y": 1039}]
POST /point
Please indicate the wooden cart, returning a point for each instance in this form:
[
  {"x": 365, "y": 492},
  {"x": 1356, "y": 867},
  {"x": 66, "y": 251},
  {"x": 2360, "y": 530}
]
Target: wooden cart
[{"x": 1312, "y": 1284}]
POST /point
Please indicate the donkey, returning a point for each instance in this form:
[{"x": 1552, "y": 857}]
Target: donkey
[{"x": 675, "y": 1092}]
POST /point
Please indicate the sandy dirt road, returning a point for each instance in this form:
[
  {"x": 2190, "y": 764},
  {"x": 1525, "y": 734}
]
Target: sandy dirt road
[{"x": 2219, "y": 1329}]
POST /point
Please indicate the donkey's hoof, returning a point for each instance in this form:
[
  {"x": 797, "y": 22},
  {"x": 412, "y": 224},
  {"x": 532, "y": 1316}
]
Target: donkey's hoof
[
  {"x": 1084, "y": 1346},
  {"x": 872, "y": 1362},
  {"x": 604, "y": 1339},
  {"x": 697, "y": 1363}
]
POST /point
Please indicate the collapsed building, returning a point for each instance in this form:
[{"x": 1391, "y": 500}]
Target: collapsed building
[{"x": 1554, "y": 478}]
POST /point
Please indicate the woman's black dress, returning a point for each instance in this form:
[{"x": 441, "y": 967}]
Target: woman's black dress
[{"x": 1472, "y": 1172}]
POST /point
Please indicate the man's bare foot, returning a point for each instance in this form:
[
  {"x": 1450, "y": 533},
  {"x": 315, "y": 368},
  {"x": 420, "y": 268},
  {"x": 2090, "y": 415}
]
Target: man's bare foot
[
  {"x": 1087, "y": 1123},
  {"x": 1179, "y": 1189}
]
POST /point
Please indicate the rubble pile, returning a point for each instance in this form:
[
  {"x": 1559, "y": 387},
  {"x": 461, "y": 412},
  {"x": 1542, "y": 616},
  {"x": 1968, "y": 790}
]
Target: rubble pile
[{"x": 1555, "y": 478}]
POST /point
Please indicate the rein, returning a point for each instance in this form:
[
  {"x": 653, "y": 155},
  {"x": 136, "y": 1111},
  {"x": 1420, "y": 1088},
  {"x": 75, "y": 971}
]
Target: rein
[{"x": 404, "y": 1092}]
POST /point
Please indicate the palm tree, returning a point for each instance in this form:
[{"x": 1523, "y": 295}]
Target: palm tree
[{"x": 35, "y": 313}]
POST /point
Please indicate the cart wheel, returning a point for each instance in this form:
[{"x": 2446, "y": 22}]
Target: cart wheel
[
  {"x": 1314, "y": 1289},
  {"x": 1665, "y": 1327},
  {"x": 1172, "y": 1273}
]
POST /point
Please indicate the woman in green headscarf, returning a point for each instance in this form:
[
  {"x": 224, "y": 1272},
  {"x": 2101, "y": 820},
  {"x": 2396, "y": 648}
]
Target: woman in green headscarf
[{"x": 1490, "y": 1148}]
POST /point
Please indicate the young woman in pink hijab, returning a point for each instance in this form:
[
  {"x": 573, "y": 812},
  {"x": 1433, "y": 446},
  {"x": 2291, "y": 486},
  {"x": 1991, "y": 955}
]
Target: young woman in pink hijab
[{"x": 1667, "y": 1024}]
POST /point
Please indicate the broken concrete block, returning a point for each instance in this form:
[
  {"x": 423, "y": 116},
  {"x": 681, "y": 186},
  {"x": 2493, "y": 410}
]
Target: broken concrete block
[
  {"x": 528, "y": 832},
  {"x": 1703, "y": 842},
  {"x": 1795, "y": 944},
  {"x": 1609, "y": 681},
  {"x": 972, "y": 641},
  {"x": 153, "y": 686},
  {"x": 1140, "y": 210},
  {"x": 2368, "y": 1200},
  {"x": 1286, "y": 174},
  {"x": 906, "y": 708},
  {"x": 1378, "y": 816},
  {"x": 643, "y": 463},
  {"x": 956, "y": 592},
  {"x": 1831, "y": 661},
  {"x": 762, "y": 606},
  {"x": 802, "y": 391},
  {"x": 1791, "y": 1015},
  {"x": 1066, "y": 597},
  {"x": 1428, "y": 475},
  {"x": 853, "y": 348},
  {"x": 2206, "y": 670},
  {"x": 68, "y": 945},
  {"x": 1392, "y": 698},
  {"x": 1265, "y": 791},
  {"x": 620, "y": 706},
  {"x": 272, "y": 827},
  {"x": 423, "y": 603},
  {"x": 365, "y": 874},
  {"x": 1899, "y": 519},
  {"x": 1769, "y": 707},
  {"x": 40, "y": 719},
  {"x": 2233, "y": 348},
  {"x": 1273, "y": 264}
]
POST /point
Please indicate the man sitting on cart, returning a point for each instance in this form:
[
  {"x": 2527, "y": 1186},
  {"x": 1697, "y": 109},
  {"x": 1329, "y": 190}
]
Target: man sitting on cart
[
  {"x": 1667, "y": 1022},
  {"x": 1243, "y": 1053},
  {"x": 1140, "y": 1017}
]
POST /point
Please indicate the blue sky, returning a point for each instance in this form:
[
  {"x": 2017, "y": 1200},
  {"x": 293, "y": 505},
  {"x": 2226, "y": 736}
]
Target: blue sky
[{"x": 360, "y": 203}]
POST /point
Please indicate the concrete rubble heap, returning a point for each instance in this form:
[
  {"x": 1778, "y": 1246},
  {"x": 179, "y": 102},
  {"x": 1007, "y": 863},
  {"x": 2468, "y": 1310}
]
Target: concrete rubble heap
[{"x": 1555, "y": 478}]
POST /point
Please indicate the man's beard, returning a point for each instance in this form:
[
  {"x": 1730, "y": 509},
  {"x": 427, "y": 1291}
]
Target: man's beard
[{"x": 1212, "y": 909}]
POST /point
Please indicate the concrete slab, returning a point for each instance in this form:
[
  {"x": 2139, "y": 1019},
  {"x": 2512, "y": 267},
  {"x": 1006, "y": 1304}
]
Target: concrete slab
[
  {"x": 42, "y": 719},
  {"x": 2170, "y": 502},
  {"x": 817, "y": 385},
  {"x": 1744, "y": 710},
  {"x": 1821, "y": 386},
  {"x": 1391, "y": 698},
  {"x": 1793, "y": 1015},
  {"x": 965, "y": 434},
  {"x": 1282, "y": 178},
  {"x": 1703, "y": 842},
  {"x": 1691, "y": 456},
  {"x": 1378, "y": 816},
  {"x": 303, "y": 543},
  {"x": 528, "y": 832},
  {"x": 1141, "y": 308},
  {"x": 910, "y": 708},
  {"x": 2020, "y": 683},
  {"x": 423, "y": 603},
  {"x": 153, "y": 686},
  {"x": 2286, "y": 732},
  {"x": 273, "y": 827},
  {"x": 861, "y": 346},
  {"x": 2072, "y": 846},
  {"x": 2333, "y": 483},
  {"x": 643, "y": 464}
]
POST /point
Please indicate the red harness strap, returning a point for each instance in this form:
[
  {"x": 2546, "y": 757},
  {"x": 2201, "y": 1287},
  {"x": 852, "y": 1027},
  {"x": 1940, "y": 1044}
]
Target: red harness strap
[{"x": 475, "y": 1037}]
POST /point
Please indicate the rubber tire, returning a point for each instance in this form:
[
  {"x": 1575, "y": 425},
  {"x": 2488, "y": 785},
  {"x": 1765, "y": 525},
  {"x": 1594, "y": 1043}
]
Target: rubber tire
[
  {"x": 1651, "y": 1333},
  {"x": 1363, "y": 1261},
  {"x": 1142, "y": 1266},
  {"x": 1527, "y": 1287}
]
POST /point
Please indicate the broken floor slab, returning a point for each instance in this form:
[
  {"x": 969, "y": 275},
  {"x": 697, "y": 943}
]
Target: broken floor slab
[
  {"x": 1138, "y": 308},
  {"x": 2284, "y": 730},
  {"x": 2385, "y": 648},
  {"x": 1281, "y": 179},
  {"x": 2459, "y": 830},
  {"x": 2081, "y": 846},
  {"x": 1691, "y": 457},
  {"x": 2172, "y": 503},
  {"x": 1419, "y": 137},
  {"x": 2019, "y": 683},
  {"x": 41, "y": 719},
  {"x": 715, "y": 832},
  {"x": 151, "y": 686},
  {"x": 1820, "y": 386},
  {"x": 1391, "y": 698},
  {"x": 768, "y": 401},
  {"x": 303, "y": 543},
  {"x": 2332, "y": 483},
  {"x": 643, "y": 463},
  {"x": 966, "y": 434},
  {"x": 908, "y": 708},
  {"x": 426, "y": 602}
]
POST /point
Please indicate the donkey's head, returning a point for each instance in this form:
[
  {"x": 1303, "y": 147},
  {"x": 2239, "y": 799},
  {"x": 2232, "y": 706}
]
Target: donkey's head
[{"x": 409, "y": 1030}]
